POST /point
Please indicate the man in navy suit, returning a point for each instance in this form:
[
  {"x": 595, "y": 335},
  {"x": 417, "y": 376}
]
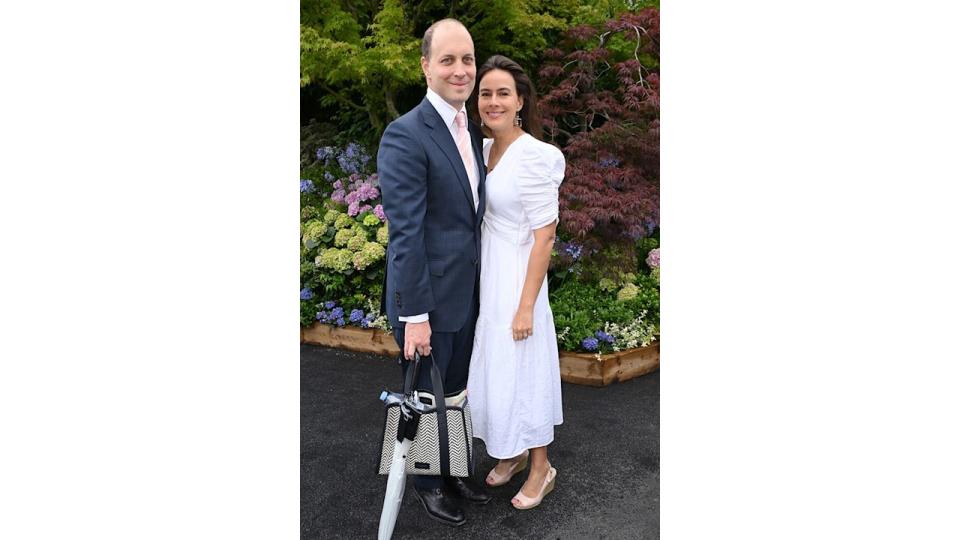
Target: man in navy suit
[{"x": 431, "y": 173}]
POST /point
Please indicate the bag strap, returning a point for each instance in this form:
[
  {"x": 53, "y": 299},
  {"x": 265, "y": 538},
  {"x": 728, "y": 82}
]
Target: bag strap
[{"x": 439, "y": 403}]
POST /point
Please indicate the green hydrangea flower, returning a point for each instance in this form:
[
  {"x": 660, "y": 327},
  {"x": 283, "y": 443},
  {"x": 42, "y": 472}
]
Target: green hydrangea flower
[
  {"x": 338, "y": 260},
  {"x": 656, "y": 274},
  {"x": 342, "y": 237},
  {"x": 383, "y": 235},
  {"x": 331, "y": 217},
  {"x": 370, "y": 254},
  {"x": 356, "y": 243},
  {"x": 313, "y": 230},
  {"x": 309, "y": 212},
  {"x": 608, "y": 285},
  {"x": 371, "y": 220},
  {"x": 343, "y": 221},
  {"x": 628, "y": 292}
]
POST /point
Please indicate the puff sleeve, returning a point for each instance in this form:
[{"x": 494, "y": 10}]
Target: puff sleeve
[{"x": 540, "y": 173}]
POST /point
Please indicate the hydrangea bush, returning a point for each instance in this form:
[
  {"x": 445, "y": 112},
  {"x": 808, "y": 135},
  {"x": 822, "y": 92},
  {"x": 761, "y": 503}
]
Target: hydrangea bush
[{"x": 343, "y": 238}]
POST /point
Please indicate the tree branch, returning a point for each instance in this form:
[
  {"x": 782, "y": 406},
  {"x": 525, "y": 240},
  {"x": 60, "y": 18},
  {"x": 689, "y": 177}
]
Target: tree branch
[{"x": 340, "y": 97}]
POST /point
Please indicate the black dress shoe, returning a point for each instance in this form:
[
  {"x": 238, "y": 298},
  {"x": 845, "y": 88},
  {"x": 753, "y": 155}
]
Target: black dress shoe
[
  {"x": 440, "y": 507},
  {"x": 467, "y": 489}
]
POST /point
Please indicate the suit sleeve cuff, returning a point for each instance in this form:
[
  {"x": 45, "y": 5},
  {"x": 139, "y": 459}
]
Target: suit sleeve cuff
[{"x": 423, "y": 317}]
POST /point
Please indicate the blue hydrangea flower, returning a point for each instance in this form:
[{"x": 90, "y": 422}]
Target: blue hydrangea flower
[
  {"x": 356, "y": 315},
  {"x": 306, "y": 186},
  {"x": 336, "y": 313},
  {"x": 329, "y": 177},
  {"x": 329, "y": 304},
  {"x": 341, "y": 322},
  {"x": 322, "y": 316},
  {"x": 364, "y": 324},
  {"x": 306, "y": 293},
  {"x": 324, "y": 153},
  {"x": 590, "y": 344},
  {"x": 603, "y": 336}
]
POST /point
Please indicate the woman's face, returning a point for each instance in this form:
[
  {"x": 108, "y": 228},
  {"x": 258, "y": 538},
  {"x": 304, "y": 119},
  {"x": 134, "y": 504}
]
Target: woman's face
[{"x": 498, "y": 101}]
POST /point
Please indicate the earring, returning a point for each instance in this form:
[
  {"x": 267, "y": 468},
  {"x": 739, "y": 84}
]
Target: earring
[
  {"x": 518, "y": 121},
  {"x": 481, "y": 121}
]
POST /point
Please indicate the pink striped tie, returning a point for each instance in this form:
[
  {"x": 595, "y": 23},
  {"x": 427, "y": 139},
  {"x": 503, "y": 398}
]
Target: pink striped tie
[{"x": 466, "y": 153}]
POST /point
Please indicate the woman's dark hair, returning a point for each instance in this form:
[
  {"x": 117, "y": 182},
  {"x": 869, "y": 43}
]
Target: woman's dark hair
[{"x": 530, "y": 113}]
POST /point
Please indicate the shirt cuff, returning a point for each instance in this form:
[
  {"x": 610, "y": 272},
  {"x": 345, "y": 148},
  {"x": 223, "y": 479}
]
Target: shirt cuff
[{"x": 423, "y": 317}]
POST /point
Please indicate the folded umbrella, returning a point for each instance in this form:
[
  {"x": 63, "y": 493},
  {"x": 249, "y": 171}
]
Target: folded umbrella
[{"x": 410, "y": 410}]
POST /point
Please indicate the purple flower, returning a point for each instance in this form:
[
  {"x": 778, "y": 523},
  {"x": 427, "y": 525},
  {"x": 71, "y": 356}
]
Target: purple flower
[
  {"x": 340, "y": 322},
  {"x": 609, "y": 162},
  {"x": 322, "y": 316},
  {"x": 336, "y": 313},
  {"x": 364, "y": 208},
  {"x": 603, "y": 336},
  {"x": 573, "y": 250},
  {"x": 306, "y": 293},
  {"x": 589, "y": 344},
  {"x": 324, "y": 153},
  {"x": 329, "y": 177},
  {"x": 653, "y": 258},
  {"x": 356, "y": 315},
  {"x": 353, "y": 209},
  {"x": 366, "y": 192},
  {"x": 364, "y": 324},
  {"x": 378, "y": 211},
  {"x": 329, "y": 304},
  {"x": 352, "y": 159},
  {"x": 306, "y": 186},
  {"x": 338, "y": 184},
  {"x": 338, "y": 196}
]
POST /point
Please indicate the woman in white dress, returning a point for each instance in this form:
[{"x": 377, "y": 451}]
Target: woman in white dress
[{"x": 514, "y": 380}]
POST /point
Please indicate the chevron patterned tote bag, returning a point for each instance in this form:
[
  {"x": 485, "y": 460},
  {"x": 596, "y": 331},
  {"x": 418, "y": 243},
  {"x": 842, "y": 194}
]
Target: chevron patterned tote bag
[{"x": 443, "y": 444}]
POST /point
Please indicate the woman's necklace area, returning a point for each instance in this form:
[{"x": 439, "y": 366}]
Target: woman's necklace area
[{"x": 498, "y": 151}]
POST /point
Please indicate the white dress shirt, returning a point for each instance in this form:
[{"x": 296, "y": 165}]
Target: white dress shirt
[{"x": 449, "y": 116}]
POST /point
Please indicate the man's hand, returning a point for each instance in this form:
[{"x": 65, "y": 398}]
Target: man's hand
[{"x": 416, "y": 337}]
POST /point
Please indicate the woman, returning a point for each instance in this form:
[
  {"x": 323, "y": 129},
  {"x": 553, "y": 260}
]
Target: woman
[{"x": 514, "y": 380}]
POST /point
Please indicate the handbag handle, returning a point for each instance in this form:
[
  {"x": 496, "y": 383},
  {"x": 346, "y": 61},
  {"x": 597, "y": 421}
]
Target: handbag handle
[{"x": 439, "y": 403}]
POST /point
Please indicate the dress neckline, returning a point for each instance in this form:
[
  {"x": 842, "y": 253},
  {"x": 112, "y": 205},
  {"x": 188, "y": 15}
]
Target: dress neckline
[{"x": 505, "y": 152}]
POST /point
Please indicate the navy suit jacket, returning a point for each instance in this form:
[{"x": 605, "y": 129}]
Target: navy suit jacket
[{"x": 433, "y": 256}]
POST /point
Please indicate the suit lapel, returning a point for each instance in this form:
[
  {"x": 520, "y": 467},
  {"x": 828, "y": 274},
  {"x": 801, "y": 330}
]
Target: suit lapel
[{"x": 441, "y": 136}]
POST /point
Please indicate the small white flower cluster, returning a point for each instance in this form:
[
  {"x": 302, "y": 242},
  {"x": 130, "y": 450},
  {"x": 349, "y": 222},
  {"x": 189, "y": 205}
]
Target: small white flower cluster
[
  {"x": 380, "y": 321},
  {"x": 636, "y": 333},
  {"x": 563, "y": 334}
]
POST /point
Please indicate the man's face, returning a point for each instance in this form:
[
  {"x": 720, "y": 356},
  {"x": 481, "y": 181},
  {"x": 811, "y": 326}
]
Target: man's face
[{"x": 451, "y": 69}]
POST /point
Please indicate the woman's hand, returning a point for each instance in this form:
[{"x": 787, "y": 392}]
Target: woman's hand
[{"x": 522, "y": 324}]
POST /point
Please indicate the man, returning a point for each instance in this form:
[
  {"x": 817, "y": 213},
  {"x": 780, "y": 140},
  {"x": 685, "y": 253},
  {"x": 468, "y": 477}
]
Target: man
[{"x": 431, "y": 176}]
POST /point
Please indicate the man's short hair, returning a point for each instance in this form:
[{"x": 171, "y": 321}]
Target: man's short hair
[{"x": 428, "y": 35}]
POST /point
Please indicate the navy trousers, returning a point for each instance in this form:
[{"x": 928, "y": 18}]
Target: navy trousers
[{"x": 451, "y": 351}]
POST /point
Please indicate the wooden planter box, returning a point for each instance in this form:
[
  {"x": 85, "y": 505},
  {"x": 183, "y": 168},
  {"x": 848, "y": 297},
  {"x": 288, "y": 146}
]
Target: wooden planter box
[
  {"x": 585, "y": 368},
  {"x": 576, "y": 368},
  {"x": 352, "y": 338}
]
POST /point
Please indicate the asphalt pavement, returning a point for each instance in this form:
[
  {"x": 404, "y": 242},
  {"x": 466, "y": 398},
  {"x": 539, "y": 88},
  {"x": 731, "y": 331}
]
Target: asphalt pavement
[{"x": 607, "y": 456}]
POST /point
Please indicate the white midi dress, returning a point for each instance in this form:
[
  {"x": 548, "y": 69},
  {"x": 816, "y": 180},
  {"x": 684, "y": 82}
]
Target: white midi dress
[{"x": 514, "y": 386}]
